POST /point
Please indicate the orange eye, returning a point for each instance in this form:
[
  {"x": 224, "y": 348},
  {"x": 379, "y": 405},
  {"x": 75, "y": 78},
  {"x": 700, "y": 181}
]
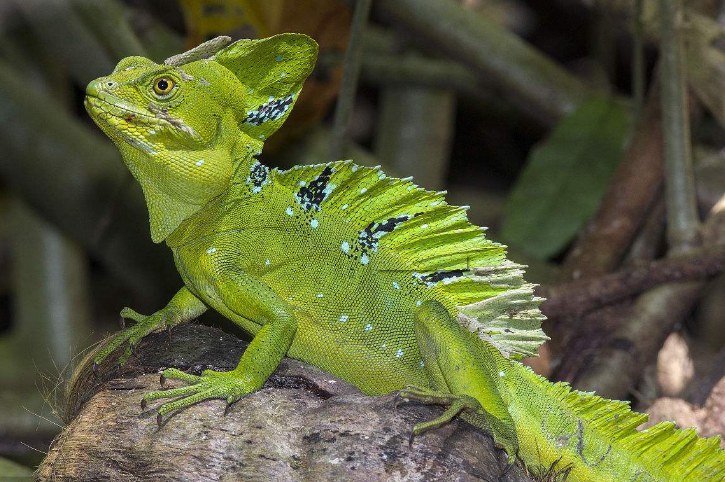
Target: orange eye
[{"x": 163, "y": 85}]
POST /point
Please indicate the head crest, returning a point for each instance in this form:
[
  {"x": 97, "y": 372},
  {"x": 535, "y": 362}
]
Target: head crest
[
  {"x": 272, "y": 70},
  {"x": 200, "y": 52}
]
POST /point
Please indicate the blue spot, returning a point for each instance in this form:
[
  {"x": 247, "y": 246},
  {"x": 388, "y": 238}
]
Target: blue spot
[
  {"x": 314, "y": 223},
  {"x": 279, "y": 58},
  {"x": 368, "y": 327},
  {"x": 343, "y": 318},
  {"x": 398, "y": 353}
]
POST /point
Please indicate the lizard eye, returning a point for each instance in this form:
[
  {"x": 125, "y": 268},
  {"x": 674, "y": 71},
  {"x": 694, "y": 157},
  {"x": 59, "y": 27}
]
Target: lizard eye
[{"x": 163, "y": 85}]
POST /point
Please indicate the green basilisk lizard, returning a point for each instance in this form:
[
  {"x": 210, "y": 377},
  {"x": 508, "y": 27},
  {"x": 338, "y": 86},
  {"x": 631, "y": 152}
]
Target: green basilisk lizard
[{"x": 371, "y": 278}]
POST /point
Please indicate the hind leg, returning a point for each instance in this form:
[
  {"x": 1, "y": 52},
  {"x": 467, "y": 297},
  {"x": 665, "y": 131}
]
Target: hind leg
[{"x": 463, "y": 375}]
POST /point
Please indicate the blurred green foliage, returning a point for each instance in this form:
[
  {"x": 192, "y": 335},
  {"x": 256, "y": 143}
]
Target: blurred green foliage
[{"x": 565, "y": 178}]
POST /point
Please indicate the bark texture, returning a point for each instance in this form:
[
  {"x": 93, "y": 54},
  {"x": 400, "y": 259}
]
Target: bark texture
[{"x": 304, "y": 425}]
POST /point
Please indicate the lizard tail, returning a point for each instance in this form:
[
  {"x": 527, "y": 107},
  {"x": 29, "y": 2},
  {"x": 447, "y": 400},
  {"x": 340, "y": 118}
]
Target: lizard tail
[{"x": 597, "y": 438}]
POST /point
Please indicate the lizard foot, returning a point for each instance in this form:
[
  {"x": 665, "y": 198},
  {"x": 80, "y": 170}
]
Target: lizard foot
[
  {"x": 144, "y": 326},
  {"x": 455, "y": 405},
  {"x": 459, "y": 405},
  {"x": 210, "y": 384}
]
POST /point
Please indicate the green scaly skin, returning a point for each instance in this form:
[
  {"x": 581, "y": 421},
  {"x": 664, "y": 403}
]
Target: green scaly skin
[{"x": 371, "y": 278}]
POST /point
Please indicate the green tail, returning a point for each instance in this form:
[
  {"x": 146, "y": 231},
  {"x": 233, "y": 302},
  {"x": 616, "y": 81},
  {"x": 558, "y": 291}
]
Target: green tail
[{"x": 598, "y": 440}]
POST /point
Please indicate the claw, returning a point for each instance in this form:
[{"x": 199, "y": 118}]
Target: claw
[
  {"x": 159, "y": 419},
  {"x": 93, "y": 369},
  {"x": 228, "y": 408},
  {"x": 168, "y": 331},
  {"x": 508, "y": 467},
  {"x": 162, "y": 380},
  {"x": 143, "y": 404},
  {"x": 122, "y": 322},
  {"x": 396, "y": 400},
  {"x": 410, "y": 439}
]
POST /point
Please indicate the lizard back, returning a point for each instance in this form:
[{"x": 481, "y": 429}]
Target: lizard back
[{"x": 354, "y": 252}]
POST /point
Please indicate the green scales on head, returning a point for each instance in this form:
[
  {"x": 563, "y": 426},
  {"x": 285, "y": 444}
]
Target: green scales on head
[{"x": 371, "y": 278}]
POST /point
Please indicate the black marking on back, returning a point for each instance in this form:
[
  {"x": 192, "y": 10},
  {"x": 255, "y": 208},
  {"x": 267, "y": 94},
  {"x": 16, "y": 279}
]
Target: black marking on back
[
  {"x": 437, "y": 276},
  {"x": 370, "y": 236},
  {"x": 311, "y": 195}
]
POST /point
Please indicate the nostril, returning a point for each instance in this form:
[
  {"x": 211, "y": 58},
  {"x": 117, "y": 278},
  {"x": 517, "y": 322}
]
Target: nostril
[{"x": 110, "y": 84}]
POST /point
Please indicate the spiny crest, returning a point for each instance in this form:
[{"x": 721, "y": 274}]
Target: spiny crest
[
  {"x": 417, "y": 224},
  {"x": 432, "y": 240},
  {"x": 668, "y": 453},
  {"x": 510, "y": 320}
]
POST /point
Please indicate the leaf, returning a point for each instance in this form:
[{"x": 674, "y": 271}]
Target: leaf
[{"x": 565, "y": 178}]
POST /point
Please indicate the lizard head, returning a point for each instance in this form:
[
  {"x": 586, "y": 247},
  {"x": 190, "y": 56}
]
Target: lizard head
[
  {"x": 183, "y": 127},
  {"x": 154, "y": 108}
]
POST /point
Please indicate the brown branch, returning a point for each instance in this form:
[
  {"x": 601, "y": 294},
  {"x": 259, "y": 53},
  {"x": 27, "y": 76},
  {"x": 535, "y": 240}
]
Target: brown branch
[
  {"x": 657, "y": 312},
  {"x": 626, "y": 203},
  {"x": 579, "y": 297},
  {"x": 639, "y": 337}
]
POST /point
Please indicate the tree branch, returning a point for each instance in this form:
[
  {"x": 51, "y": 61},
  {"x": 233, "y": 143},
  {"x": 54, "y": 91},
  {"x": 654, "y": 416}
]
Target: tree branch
[
  {"x": 529, "y": 76},
  {"x": 579, "y": 297},
  {"x": 680, "y": 194},
  {"x": 626, "y": 203},
  {"x": 350, "y": 74}
]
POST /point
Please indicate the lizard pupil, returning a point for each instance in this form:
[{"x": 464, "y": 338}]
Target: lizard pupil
[{"x": 163, "y": 86}]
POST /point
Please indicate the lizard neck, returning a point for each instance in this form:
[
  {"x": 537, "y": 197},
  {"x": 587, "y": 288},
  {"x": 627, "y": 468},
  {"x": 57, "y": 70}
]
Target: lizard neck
[{"x": 179, "y": 182}]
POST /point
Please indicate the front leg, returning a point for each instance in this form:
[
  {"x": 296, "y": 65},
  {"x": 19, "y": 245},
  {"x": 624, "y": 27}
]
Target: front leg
[
  {"x": 183, "y": 307},
  {"x": 249, "y": 298}
]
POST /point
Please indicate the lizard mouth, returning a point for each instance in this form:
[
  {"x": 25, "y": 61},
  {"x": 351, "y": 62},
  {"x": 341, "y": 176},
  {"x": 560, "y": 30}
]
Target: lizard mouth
[{"x": 140, "y": 128}]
